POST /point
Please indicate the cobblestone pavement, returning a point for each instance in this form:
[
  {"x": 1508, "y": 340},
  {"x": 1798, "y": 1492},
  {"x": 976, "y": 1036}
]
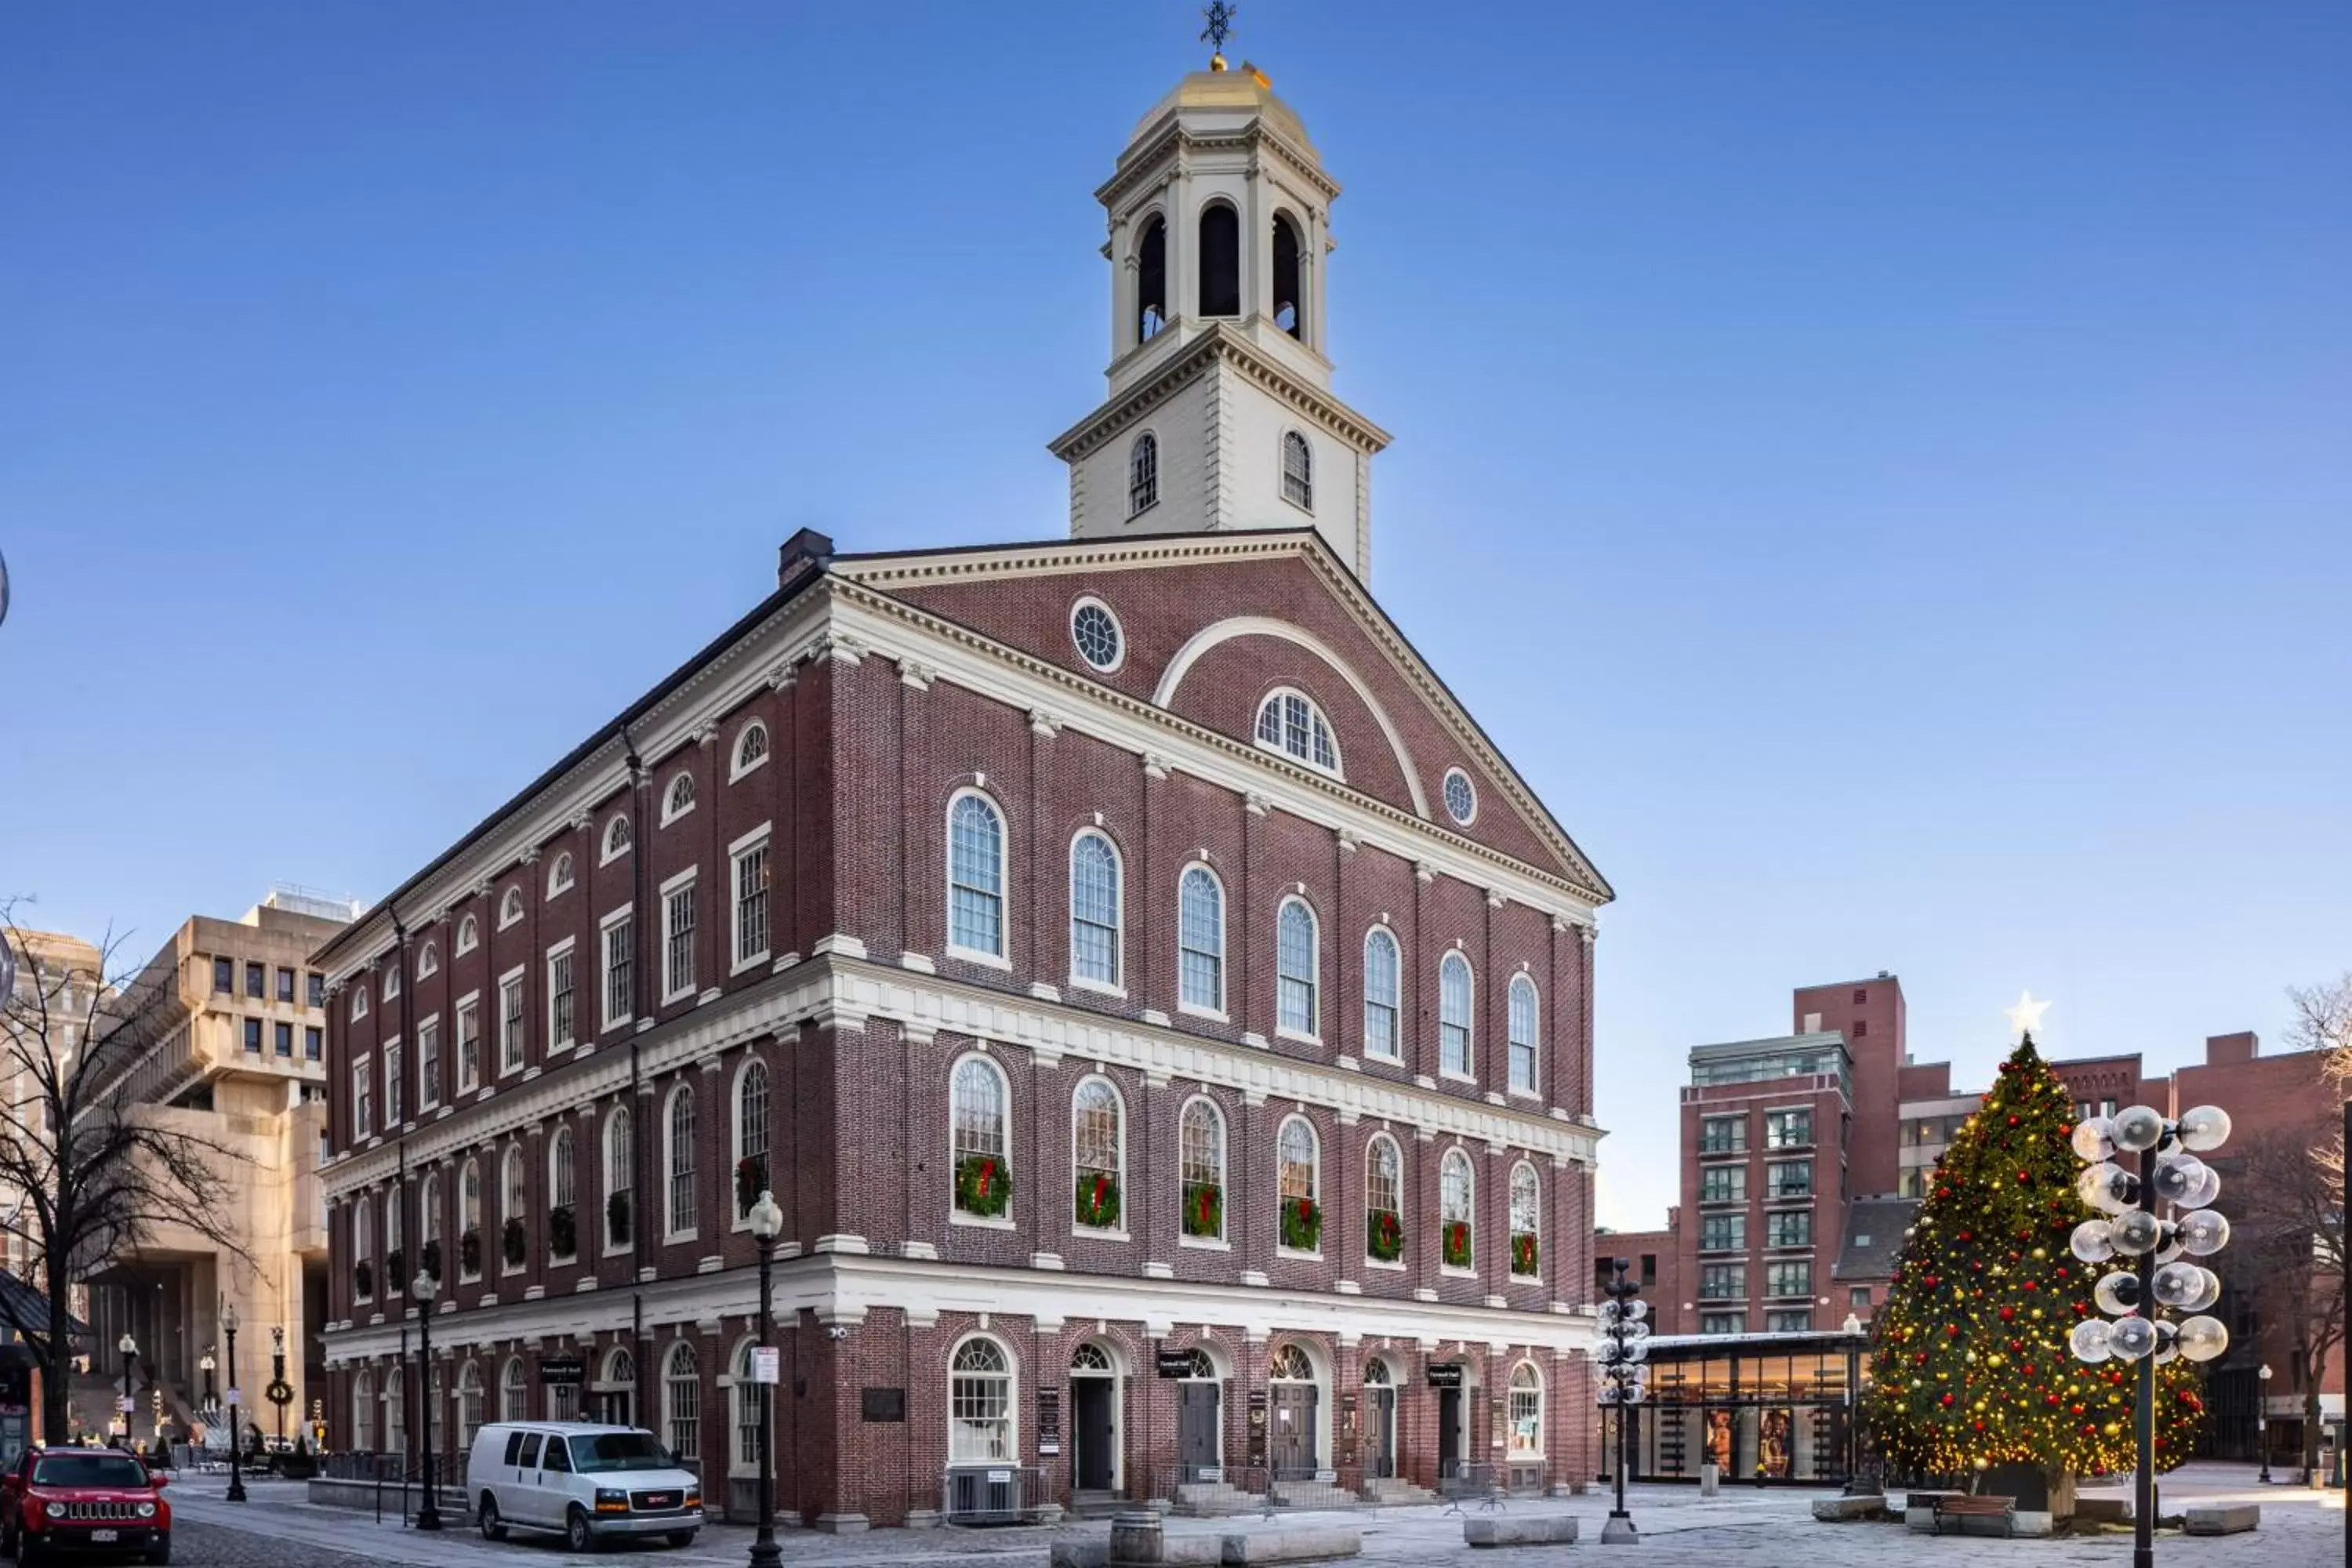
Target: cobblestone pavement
[{"x": 1749, "y": 1530}]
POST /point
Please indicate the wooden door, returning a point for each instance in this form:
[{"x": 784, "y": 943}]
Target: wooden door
[
  {"x": 1291, "y": 1448},
  {"x": 1380, "y": 1433},
  {"x": 1449, "y": 1433},
  {"x": 1199, "y": 1444},
  {"x": 1090, "y": 1424}
]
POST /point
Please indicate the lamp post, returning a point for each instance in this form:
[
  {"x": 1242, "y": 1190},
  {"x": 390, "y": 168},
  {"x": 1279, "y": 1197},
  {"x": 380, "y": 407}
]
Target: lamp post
[
  {"x": 1855, "y": 1333},
  {"x": 425, "y": 1288},
  {"x": 2171, "y": 1177},
  {"x": 130, "y": 1349},
  {"x": 236, "y": 1492},
  {"x": 212, "y": 1399},
  {"x": 278, "y": 1375},
  {"x": 1624, "y": 1373},
  {"x": 2262, "y": 1421},
  {"x": 767, "y": 1222}
]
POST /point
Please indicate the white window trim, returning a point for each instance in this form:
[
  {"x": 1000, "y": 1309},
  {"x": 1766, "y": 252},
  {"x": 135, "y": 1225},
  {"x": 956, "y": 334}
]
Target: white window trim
[
  {"x": 1221, "y": 1013},
  {"x": 670, "y": 795},
  {"x": 1470, "y": 1027},
  {"x": 1535, "y": 1035},
  {"x": 394, "y": 1060},
  {"x": 684, "y": 878},
  {"x": 392, "y": 983},
  {"x": 359, "y": 1008},
  {"x": 759, "y": 837},
  {"x": 428, "y": 961},
  {"x": 568, "y": 945},
  {"x": 1283, "y": 1031},
  {"x": 364, "y": 1069},
  {"x": 1396, "y": 1002},
  {"x": 471, "y": 1000},
  {"x": 1104, "y": 1233},
  {"x": 1464, "y": 775},
  {"x": 1338, "y": 768},
  {"x": 511, "y": 899},
  {"x": 606, "y": 853},
  {"x": 1223, "y": 1241},
  {"x": 736, "y": 767},
  {"x": 738, "y": 1221},
  {"x": 457, "y": 1242},
  {"x": 428, "y": 1046},
  {"x": 1012, "y": 1395},
  {"x": 1404, "y": 1201},
  {"x": 1159, "y": 472},
  {"x": 1470, "y": 1168},
  {"x": 1282, "y": 468},
  {"x": 1004, "y": 1084},
  {"x": 1118, "y": 914},
  {"x": 612, "y": 1249},
  {"x": 554, "y": 1140},
  {"x": 604, "y": 970},
  {"x": 1119, "y": 628},
  {"x": 1322, "y": 1207},
  {"x": 522, "y": 1051},
  {"x": 469, "y": 935},
  {"x": 668, "y": 1163},
  {"x": 565, "y": 867},
  {"x": 1003, "y": 883},
  {"x": 511, "y": 1152}
]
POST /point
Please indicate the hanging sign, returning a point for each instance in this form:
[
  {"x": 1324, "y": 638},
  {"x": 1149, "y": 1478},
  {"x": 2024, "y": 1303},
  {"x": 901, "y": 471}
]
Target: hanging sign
[
  {"x": 1445, "y": 1374},
  {"x": 767, "y": 1364},
  {"x": 1175, "y": 1364},
  {"x": 557, "y": 1371}
]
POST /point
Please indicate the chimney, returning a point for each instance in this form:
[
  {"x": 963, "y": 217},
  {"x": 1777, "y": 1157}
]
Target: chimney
[
  {"x": 805, "y": 551},
  {"x": 1813, "y": 1024},
  {"x": 2226, "y": 1050}
]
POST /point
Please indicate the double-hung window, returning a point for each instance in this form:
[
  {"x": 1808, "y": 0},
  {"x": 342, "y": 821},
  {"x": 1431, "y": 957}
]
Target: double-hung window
[
  {"x": 363, "y": 1098},
  {"x": 510, "y": 1023},
  {"x": 620, "y": 937},
  {"x": 678, "y": 938},
  {"x": 469, "y": 1045},
  {"x": 560, "y": 1007},
  {"x": 748, "y": 865},
  {"x": 1381, "y": 974},
  {"x": 1453, "y": 1015},
  {"x": 1200, "y": 939},
  {"x": 392, "y": 1085},
  {"x": 428, "y": 1064}
]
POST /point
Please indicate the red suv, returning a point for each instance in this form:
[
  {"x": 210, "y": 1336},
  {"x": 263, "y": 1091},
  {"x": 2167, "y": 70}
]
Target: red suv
[{"x": 60, "y": 1500}]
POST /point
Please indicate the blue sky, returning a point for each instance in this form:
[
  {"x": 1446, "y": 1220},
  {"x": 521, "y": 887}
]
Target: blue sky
[{"x": 1882, "y": 471}]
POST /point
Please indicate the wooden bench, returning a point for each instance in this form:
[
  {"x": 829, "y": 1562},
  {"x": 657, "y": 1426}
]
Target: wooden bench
[{"x": 1961, "y": 1506}]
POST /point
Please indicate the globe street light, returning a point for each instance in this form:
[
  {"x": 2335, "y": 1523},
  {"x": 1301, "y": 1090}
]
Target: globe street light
[
  {"x": 236, "y": 1492},
  {"x": 1624, "y": 1375},
  {"x": 767, "y": 1222},
  {"x": 212, "y": 1399},
  {"x": 424, "y": 1287},
  {"x": 130, "y": 1349}
]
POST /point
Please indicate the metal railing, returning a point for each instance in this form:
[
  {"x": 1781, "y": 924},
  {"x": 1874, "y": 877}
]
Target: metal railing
[
  {"x": 993, "y": 1494},
  {"x": 1460, "y": 1481}
]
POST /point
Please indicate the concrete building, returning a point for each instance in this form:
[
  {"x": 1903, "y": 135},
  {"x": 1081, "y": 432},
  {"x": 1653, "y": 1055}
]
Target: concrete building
[
  {"x": 231, "y": 1049},
  {"x": 1162, "y": 1016}
]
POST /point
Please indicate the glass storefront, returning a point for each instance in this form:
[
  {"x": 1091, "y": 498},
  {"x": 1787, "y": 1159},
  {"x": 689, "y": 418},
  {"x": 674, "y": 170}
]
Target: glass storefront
[{"x": 1773, "y": 1407}]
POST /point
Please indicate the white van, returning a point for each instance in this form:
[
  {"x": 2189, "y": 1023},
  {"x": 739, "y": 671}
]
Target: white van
[{"x": 580, "y": 1479}]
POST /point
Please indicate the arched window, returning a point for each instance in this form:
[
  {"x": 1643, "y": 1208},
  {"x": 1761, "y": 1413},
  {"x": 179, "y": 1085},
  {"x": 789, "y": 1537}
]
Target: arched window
[
  {"x": 1526, "y": 1412},
  {"x": 513, "y": 1229},
  {"x": 1200, "y": 939},
  {"x": 1453, "y": 1210},
  {"x": 1288, "y": 722},
  {"x": 469, "y": 1403},
  {"x": 617, "y": 1390},
  {"x": 394, "y": 1262},
  {"x": 1290, "y": 1365},
  {"x": 1297, "y": 470},
  {"x": 1289, "y": 298},
  {"x": 1203, "y": 1135},
  {"x": 1298, "y": 1172},
  {"x": 978, "y": 1094},
  {"x": 751, "y": 748},
  {"x": 680, "y": 1159},
  {"x": 562, "y": 1196},
  {"x": 558, "y": 876},
  {"x": 682, "y": 1401},
  {"x": 514, "y": 1393},
  {"x": 1296, "y": 969},
  {"x": 1527, "y": 1221},
  {"x": 363, "y": 1213},
  {"x": 679, "y": 799},
  {"x": 1383, "y": 1199},
  {"x": 976, "y": 876},
  {"x": 396, "y": 1413},
  {"x": 620, "y": 1177},
  {"x": 509, "y": 908},
  {"x": 1453, "y": 1015},
  {"x": 1523, "y": 1034},
  {"x": 1220, "y": 261},
  {"x": 746, "y": 1452},
  {"x": 1143, "y": 474},
  {"x": 1380, "y": 1002},
  {"x": 1095, "y": 1118},
  {"x": 428, "y": 1224},
  {"x": 1094, "y": 910},
  {"x": 616, "y": 836},
  {"x": 980, "y": 1404},
  {"x": 359, "y": 1004},
  {"x": 469, "y": 1222},
  {"x": 469, "y": 934},
  {"x": 751, "y": 1135},
  {"x": 428, "y": 961},
  {"x": 1376, "y": 1373},
  {"x": 1152, "y": 281},
  {"x": 392, "y": 982},
  {"x": 364, "y": 1412}
]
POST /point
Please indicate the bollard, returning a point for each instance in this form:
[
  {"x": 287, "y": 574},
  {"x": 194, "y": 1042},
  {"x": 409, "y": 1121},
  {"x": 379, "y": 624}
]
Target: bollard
[
  {"x": 1710, "y": 1477},
  {"x": 1135, "y": 1539}
]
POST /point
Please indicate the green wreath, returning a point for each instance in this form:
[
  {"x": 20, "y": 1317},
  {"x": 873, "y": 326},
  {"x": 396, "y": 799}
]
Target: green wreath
[
  {"x": 1523, "y": 1254},
  {"x": 469, "y": 1250},
  {"x": 983, "y": 1185},
  {"x": 616, "y": 1218},
  {"x": 562, "y": 1231},
  {"x": 514, "y": 1241},
  {"x": 1095, "y": 1200},
  {"x": 1204, "y": 1209},
  {"x": 1302, "y": 1224},
  {"x": 1384, "y": 1235},
  {"x": 1457, "y": 1244}
]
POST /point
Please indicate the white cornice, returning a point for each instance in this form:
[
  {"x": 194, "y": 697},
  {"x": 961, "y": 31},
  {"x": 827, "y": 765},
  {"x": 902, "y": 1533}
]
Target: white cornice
[
  {"x": 1146, "y": 158},
  {"x": 1219, "y": 340},
  {"x": 842, "y": 1287},
  {"x": 849, "y": 992}
]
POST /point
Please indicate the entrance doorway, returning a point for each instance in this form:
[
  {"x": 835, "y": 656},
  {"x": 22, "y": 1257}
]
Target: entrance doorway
[
  {"x": 1294, "y": 1408},
  {"x": 1380, "y": 1422},
  {"x": 1199, "y": 1417},
  {"x": 1094, "y": 1420},
  {"x": 1449, "y": 1433}
]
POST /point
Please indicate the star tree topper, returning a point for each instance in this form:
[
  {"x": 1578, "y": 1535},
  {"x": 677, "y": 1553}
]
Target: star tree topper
[{"x": 2026, "y": 1017}]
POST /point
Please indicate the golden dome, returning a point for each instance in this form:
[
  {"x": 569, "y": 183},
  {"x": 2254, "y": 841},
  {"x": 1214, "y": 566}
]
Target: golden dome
[{"x": 1243, "y": 91}]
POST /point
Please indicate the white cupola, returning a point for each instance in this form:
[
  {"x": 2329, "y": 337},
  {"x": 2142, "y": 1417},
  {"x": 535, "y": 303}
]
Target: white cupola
[{"x": 1220, "y": 414}]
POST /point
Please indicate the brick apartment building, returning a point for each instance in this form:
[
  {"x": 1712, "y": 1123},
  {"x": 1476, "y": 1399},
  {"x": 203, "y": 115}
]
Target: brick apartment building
[
  {"x": 1163, "y": 1017},
  {"x": 1805, "y": 1156}
]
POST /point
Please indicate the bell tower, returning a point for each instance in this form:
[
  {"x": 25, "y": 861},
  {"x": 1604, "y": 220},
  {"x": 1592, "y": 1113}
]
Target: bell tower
[{"x": 1220, "y": 413}]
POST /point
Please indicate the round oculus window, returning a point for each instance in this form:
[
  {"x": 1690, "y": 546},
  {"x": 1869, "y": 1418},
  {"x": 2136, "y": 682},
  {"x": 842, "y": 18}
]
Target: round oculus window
[
  {"x": 1461, "y": 800},
  {"x": 1096, "y": 631}
]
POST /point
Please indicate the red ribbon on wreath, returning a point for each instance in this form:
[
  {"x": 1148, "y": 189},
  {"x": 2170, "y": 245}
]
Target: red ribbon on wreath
[{"x": 987, "y": 1176}]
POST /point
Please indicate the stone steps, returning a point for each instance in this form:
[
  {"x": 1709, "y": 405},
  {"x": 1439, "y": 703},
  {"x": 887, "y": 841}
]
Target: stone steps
[
  {"x": 1214, "y": 1500},
  {"x": 1391, "y": 1491}
]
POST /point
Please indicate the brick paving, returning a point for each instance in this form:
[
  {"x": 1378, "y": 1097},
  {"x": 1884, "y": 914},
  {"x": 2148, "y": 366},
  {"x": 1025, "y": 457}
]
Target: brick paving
[{"x": 1680, "y": 1529}]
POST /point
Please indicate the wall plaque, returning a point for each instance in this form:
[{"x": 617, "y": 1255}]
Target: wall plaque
[
  {"x": 1258, "y": 1427},
  {"x": 1049, "y": 1421},
  {"x": 883, "y": 1404}
]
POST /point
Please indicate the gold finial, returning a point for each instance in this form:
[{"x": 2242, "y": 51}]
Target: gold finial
[{"x": 1220, "y": 24}]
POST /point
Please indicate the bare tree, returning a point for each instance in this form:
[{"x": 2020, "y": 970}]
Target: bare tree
[
  {"x": 87, "y": 1173},
  {"x": 2289, "y": 1241}
]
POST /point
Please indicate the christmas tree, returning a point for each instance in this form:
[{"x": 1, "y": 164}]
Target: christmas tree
[{"x": 1970, "y": 1363}]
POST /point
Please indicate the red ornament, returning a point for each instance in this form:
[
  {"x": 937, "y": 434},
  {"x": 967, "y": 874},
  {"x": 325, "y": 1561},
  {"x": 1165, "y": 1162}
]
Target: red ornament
[
  {"x": 1951, "y": 1330},
  {"x": 2050, "y": 1399},
  {"x": 1946, "y": 1402},
  {"x": 2013, "y": 1122},
  {"x": 1943, "y": 1192},
  {"x": 2009, "y": 1312},
  {"x": 2025, "y": 1178}
]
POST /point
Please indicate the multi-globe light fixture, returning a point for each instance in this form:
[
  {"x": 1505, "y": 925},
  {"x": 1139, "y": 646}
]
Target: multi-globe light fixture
[
  {"x": 1624, "y": 1378},
  {"x": 2155, "y": 1272}
]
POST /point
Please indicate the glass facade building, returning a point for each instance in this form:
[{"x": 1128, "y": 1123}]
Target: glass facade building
[{"x": 1775, "y": 1406}]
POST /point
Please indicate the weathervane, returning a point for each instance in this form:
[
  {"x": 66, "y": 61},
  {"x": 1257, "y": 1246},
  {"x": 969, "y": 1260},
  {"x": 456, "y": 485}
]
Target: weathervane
[{"x": 1221, "y": 25}]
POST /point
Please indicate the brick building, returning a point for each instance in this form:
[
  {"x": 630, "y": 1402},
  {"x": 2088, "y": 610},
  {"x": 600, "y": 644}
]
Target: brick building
[{"x": 1162, "y": 1016}]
